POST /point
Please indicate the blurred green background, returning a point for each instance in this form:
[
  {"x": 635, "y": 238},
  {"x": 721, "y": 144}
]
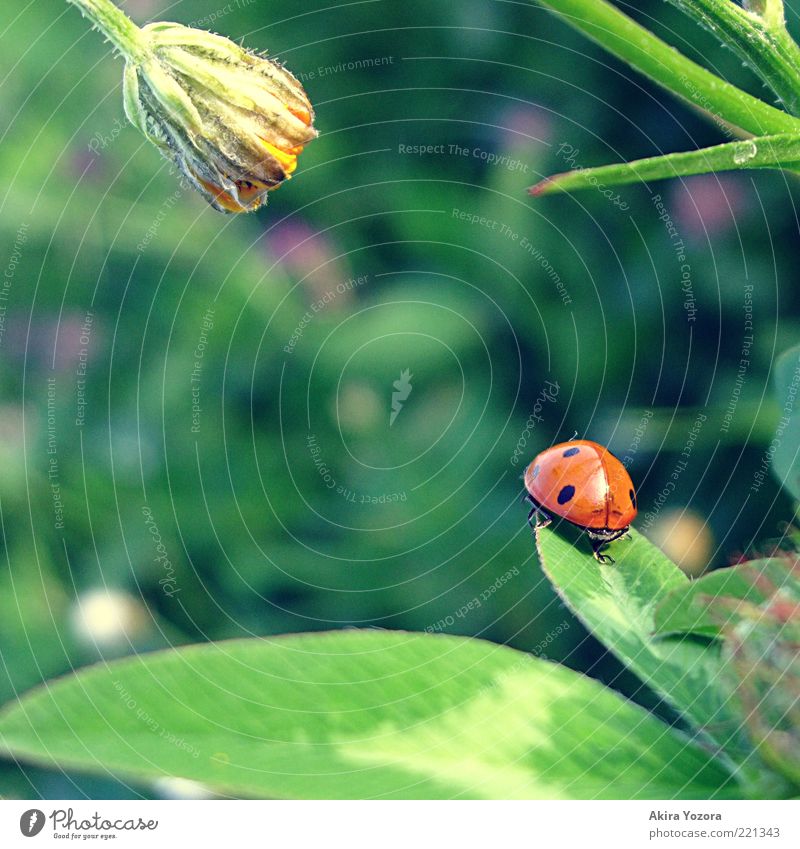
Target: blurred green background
[{"x": 195, "y": 409}]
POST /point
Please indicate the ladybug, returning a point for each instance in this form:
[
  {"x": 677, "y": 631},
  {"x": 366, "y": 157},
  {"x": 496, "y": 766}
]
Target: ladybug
[{"x": 584, "y": 483}]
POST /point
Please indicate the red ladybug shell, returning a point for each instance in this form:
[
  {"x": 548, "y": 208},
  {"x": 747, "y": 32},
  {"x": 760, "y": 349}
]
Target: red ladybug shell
[{"x": 583, "y": 483}]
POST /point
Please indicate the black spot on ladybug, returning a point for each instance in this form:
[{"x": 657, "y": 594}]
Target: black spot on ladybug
[
  {"x": 535, "y": 473},
  {"x": 571, "y": 452},
  {"x": 633, "y": 498},
  {"x": 566, "y": 493}
]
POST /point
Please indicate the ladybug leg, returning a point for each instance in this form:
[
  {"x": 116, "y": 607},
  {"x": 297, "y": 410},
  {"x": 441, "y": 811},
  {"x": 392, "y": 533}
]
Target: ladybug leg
[
  {"x": 597, "y": 545},
  {"x": 537, "y": 518}
]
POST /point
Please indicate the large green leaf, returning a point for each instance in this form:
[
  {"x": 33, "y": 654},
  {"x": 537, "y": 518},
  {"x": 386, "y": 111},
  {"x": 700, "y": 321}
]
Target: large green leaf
[
  {"x": 617, "y": 602},
  {"x": 754, "y": 608},
  {"x": 785, "y": 448},
  {"x": 360, "y": 714},
  {"x": 763, "y": 642},
  {"x": 717, "y": 601}
]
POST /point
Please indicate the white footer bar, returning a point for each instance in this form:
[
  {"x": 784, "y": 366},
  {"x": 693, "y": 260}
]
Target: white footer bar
[{"x": 400, "y": 825}]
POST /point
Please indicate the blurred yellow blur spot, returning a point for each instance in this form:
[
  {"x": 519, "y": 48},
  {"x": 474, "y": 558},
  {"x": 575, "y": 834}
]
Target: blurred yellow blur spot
[
  {"x": 171, "y": 787},
  {"x": 685, "y": 538},
  {"x": 358, "y": 407},
  {"x": 108, "y": 618}
]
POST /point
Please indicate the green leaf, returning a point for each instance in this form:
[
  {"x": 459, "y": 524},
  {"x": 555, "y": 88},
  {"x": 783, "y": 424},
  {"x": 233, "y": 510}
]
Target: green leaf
[
  {"x": 617, "y": 602},
  {"x": 785, "y": 447},
  {"x": 713, "y": 603},
  {"x": 755, "y": 609},
  {"x": 637, "y": 46},
  {"x": 763, "y": 643},
  {"x": 355, "y": 714},
  {"x": 779, "y": 151}
]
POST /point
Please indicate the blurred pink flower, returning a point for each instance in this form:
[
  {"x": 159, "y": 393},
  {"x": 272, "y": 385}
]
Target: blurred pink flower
[
  {"x": 52, "y": 344},
  {"x": 82, "y": 164},
  {"x": 142, "y": 10},
  {"x": 526, "y": 124},
  {"x": 707, "y": 205},
  {"x": 309, "y": 256}
]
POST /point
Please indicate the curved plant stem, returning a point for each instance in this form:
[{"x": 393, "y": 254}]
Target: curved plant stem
[
  {"x": 120, "y": 30},
  {"x": 779, "y": 151},
  {"x": 637, "y": 46},
  {"x": 759, "y": 38}
]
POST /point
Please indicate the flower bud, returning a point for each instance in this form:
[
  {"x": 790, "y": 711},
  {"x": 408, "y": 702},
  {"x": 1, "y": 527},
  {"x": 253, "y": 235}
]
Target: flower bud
[{"x": 234, "y": 122}]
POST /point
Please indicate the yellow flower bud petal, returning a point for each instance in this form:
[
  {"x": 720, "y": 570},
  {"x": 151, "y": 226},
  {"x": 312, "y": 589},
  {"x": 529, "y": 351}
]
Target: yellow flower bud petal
[
  {"x": 234, "y": 122},
  {"x": 286, "y": 159}
]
